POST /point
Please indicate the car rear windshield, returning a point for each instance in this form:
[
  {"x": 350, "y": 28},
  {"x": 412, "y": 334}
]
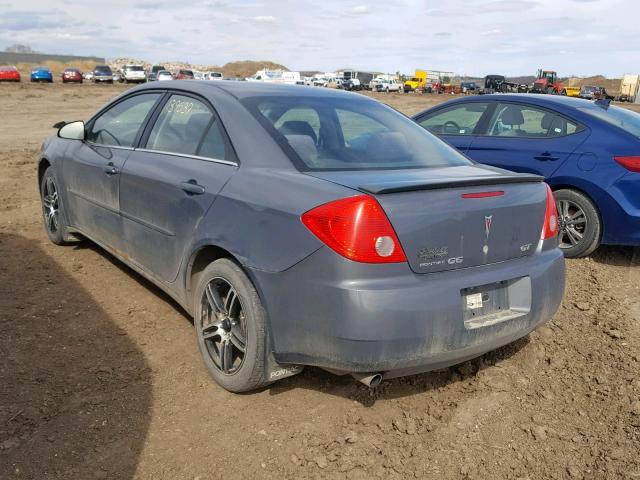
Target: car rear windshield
[
  {"x": 103, "y": 69},
  {"x": 620, "y": 117},
  {"x": 324, "y": 133},
  {"x": 135, "y": 68}
]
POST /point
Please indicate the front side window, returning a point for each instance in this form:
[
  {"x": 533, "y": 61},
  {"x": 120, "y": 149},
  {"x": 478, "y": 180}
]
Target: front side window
[
  {"x": 189, "y": 127},
  {"x": 119, "y": 125},
  {"x": 342, "y": 133},
  {"x": 526, "y": 121},
  {"x": 456, "y": 120}
]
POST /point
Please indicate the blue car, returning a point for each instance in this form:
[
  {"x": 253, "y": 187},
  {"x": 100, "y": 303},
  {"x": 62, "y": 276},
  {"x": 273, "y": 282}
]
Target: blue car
[
  {"x": 588, "y": 152},
  {"x": 41, "y": 74},
  {"x": 307, "y": 226}
]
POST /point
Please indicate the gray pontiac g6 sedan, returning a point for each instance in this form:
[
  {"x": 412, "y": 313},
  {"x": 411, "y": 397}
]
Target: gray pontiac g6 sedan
[{"x": 304, "y": 226}]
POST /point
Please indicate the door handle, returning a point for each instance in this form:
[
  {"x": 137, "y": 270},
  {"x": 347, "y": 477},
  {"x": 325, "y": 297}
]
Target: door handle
[
  {"x": 546, "y": 157},
  {"x": 111, "y": 169},
  {"x": 192, "y": 187}
]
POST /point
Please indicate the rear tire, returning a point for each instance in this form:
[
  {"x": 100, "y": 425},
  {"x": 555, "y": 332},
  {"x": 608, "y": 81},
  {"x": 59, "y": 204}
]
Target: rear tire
[
  {"x": 580, "y": 223},
  {"x": 231, "y": 333}
]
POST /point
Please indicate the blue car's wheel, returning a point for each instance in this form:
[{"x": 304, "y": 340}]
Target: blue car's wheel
[
  {"x": 580, "y": 224},
  {"x": 230, "y": 325}
]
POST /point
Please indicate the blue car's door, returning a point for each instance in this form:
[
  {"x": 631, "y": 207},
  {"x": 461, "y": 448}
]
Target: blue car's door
[
  {"x": 455, "y": 124},
  {"x": 169, "y": 183},
  {"x": 91, "y": 168},
  {"x": 527, "y": 138}
]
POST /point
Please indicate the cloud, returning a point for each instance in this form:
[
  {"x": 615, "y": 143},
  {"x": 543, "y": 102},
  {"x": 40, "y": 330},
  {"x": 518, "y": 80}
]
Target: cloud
[
  {"x": 360, "y": 10},
  {"x": 264, "y": 19},
  {"x": 442, "y": 34}
]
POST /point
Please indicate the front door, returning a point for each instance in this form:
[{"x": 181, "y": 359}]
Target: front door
[
  {"x": 526, "y": 138},
  {"x": 169, "y": 183},
  {"x": 92, "y": 168}
]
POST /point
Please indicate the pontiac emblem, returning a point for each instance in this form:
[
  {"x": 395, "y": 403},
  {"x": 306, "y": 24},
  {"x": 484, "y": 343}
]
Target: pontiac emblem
[{"x": 487, "y": 225}]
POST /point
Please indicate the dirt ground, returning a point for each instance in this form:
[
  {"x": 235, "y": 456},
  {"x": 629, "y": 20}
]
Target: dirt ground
[{"x": 100, "y": 376}]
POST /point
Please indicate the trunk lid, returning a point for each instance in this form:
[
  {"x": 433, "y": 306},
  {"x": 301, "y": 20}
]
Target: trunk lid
[{"x": 441, "y": 230}]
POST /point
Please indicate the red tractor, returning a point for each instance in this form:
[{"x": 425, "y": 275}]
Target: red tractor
[{"x": 547, "y": 82}]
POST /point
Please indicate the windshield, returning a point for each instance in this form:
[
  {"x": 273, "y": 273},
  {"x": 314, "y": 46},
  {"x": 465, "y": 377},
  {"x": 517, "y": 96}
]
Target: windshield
[
  {"x": 103, "y": 70},
  {"x": 135, "y": 68},
  {"x": 625, "y": 119},
  {"x": 324, "y": 133}
]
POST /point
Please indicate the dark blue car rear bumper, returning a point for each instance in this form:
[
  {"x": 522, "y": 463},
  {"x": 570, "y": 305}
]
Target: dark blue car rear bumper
[{"x": 329, "y": 312}]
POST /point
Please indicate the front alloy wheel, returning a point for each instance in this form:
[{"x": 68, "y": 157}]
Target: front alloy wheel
[{"x": 50, "y": 206}]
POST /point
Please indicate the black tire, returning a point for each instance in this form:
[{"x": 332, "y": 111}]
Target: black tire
[
  {"x": 54, "y": 222},
  {"x": 580, "y": 239},
  {"x": 242, "y": 374}
]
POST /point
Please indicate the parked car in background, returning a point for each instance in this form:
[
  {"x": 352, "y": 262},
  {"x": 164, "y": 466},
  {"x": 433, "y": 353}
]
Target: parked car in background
[
  {"x": 197, "y": 75},
  {"x": 153, "y": 73},
  {"x": 72, "y": 75},
  {"x": 102, "y": 74},
  {"x": 163, "y": 75},
  {"x": 590, "y": 92},
  {"x": 384, "y": 85},
  {"x": 350, "y": 84},
  {"x": 133, "y": 74},
  {"x": 184, "y": 74},
  {"x": 88, "y": 75},
  {"x": 9, "y": 74},
  {"x": 629, "y": 87},
  {"x": 213, "y": 76},
  {"x": 291, "y": 224},
  {"x": 588, "y": 152},
  {"x": 41, "y": 74},
  {"x": 468, "y": 87},
  {"x": 570, "y": 91}
]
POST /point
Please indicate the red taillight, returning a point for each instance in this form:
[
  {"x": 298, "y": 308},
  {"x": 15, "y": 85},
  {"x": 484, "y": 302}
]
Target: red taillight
[
  {"x": 550, "y": 228},
  {"x": 498, "y": 193},
  {"x": 631, "y": 163},
  {"x": 357, "y": 228}
]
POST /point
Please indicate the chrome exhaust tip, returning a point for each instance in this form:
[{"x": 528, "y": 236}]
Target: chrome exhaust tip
[{"x": 371, "y": 380}]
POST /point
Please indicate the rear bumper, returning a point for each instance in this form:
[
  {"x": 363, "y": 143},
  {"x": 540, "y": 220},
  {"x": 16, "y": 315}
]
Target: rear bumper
[
  {"x": 622, "y": 221},
  {"x": 349, "y": 317}
]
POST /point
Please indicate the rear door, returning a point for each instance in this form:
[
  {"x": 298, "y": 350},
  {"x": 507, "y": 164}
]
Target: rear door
[
  {"x": 455, "y": 124},
  {"x": 92, "y": 168},
  {"x": 527, "y": 138},
  {"x": 169, "y": 183}
]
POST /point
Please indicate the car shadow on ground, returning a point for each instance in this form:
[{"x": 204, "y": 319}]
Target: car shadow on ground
[
  {"x": 76, "y": 392},
  {"x": 620, "y": 256},
  {"x": 347, "y": 387}
]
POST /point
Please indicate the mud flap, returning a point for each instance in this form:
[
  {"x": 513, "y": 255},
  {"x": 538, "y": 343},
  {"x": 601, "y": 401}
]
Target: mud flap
[{"x": 277, "y": 371}]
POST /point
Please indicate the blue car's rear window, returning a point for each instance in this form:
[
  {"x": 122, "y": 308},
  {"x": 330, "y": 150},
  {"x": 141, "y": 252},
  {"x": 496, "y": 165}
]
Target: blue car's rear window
[
  {"x": 332, "y": 133},
  {"x": 620, "y": 117}
]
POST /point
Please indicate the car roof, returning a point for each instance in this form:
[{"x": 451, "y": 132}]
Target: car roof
[
  {"x": 242, "y": 90},
  {"x": 543, "y": 100}
]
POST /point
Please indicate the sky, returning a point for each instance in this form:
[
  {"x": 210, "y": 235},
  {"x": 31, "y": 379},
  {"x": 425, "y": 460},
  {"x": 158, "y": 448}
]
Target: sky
[{"x": 470, "y": 37}]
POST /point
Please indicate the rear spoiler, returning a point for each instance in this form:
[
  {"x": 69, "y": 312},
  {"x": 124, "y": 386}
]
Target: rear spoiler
[{"x": 413, "y": 185}]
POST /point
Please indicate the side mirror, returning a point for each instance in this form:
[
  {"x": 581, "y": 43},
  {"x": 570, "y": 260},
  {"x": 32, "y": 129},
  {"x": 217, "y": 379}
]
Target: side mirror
[{"x": 72, "y": 131}]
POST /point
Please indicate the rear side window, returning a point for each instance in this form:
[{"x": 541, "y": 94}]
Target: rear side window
[
  {"x": 189, "y": 127},
  {"x": 346, "y": 133},
  {"x": 456, "y": 120},
  {"x": 119, "y": 125},
  {"x": 527, "y": 121},
  {"x": 620, "y": 117}
]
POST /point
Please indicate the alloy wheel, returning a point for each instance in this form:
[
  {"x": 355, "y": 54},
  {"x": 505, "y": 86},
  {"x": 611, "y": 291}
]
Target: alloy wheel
[
  {"x": 223, "y": 325},
  {"x": 50, "y": 205},
  {"x": 573, "y": 223}
]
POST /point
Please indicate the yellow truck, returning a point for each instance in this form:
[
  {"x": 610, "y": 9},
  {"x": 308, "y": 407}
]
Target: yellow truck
[
  {"x": 571, "y": 91},
  {"x": 418, "y": 82}
]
